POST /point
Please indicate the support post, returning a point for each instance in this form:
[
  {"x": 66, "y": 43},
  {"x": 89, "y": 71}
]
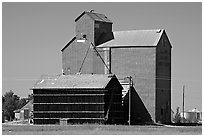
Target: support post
[
  {"x": 183, "y": 102},
  {"x": 94, "y": 47},
  {"x": 130, "y": 78}
]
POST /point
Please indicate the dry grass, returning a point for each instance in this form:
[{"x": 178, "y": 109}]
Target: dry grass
[{"x": 94, "y": 129}]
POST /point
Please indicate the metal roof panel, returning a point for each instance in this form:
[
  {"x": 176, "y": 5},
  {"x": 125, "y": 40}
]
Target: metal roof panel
[
  {"x": 96, "y": 81},
  {"x": 134, "y": 38},
  {"x": 95, "y": 16}
]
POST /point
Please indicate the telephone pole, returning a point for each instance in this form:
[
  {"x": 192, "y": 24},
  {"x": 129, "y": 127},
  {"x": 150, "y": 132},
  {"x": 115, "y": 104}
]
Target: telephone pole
[
  {"x": 130, "y": 84},
  {"x": 183, "y": 101}
]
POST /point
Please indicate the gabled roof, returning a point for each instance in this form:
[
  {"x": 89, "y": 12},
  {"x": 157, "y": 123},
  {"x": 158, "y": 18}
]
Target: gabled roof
[
  {"x": 29, "y": 105},
  {"x": 95, "y": 16},
  {"x": 68, "y": 44},
  {"x": 98, "y": 81},
  {"x": 134, "y": 38}
]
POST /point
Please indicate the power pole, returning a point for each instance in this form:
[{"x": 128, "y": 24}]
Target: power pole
[
  {"x": 183, "y": 101},
  {"x": 130, "y": 84}
]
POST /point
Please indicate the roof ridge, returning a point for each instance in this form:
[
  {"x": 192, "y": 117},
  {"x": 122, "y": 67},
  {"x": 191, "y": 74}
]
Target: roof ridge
[
  {"x": 76, "y": 81},
  {"x": 139, "y": 30},
  {"x": 142, "y": 38},
  {"x": 96, "y": 14}
]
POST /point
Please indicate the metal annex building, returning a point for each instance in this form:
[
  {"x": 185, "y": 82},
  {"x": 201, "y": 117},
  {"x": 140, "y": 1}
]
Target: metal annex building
[
  {"x": 78, "y": 99},
  {"x": 145, "y": 55}
]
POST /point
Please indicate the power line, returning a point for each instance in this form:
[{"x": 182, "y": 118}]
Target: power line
[{"x": 22, "y": 79}]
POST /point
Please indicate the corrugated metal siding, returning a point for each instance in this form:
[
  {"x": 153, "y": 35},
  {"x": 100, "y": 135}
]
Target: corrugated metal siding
[
  {"x": 140, "y": 63},
  {"x": 85, "y": 25},
  {"x": 84, "y": 81},
  {"x": 98, "y": 17},
  {"x": 85, "y": 105},
  {"x": 74, "y": 105},
  {"x": 134, "y": 38},
  {"x": 98, "y": 66},
  {"x": 139, "y": 113},
  {"x": 101, "y": 32},
  {"x": 73, "y": 55},
  {"x": 163, "y": 82},
  {"x": 94, "y": 16},
  {"x": 72, "y": 58}
]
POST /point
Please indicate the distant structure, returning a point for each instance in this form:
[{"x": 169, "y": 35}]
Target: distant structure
[
  {"x": 25, "y": 112},
  {"x": 192, "y": 116},
  {"x": 145, "y": 55},
  {"x": 78, "y": 99}
]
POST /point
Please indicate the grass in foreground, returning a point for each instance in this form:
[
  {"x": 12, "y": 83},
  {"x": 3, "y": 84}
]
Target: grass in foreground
[{"x": 94, "y": 129}]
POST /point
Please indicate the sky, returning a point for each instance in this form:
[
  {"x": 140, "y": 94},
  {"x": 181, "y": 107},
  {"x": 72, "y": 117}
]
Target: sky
[{"x": 33, "y": 35}]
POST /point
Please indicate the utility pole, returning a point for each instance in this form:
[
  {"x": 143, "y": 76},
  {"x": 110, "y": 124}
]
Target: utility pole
[
  {"x": 183, "y": 101},
  {"x": 130, "y": 82}
]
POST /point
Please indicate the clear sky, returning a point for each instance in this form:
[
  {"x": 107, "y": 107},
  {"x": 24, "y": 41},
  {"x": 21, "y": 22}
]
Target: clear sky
[{"x": 34, "y": 33}]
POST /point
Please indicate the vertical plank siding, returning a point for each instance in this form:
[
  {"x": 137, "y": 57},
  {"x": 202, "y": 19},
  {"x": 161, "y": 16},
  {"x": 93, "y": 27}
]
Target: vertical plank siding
[{"x": 75, "y": 105}]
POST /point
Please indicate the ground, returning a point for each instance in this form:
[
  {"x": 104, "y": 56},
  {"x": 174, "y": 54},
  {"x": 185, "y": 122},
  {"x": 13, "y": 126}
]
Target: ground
[{"x": 95, "y": 129}]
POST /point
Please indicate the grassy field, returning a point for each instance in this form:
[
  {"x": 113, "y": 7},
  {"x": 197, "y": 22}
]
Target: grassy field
[{"x": 91, "y": 129}]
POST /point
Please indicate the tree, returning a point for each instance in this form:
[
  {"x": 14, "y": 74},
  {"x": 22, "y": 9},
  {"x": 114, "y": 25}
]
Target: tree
[
  {"x": 21, "y": 103},
  {"x": 11, "y": 102}
]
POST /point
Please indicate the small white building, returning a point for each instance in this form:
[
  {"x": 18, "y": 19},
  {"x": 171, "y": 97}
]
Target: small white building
[{"x": 192, "y": 116}]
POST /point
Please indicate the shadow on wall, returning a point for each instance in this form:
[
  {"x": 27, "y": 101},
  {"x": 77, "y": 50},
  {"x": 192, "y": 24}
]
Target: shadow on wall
[
  {"x": 139, "y": 113},
  {"x": 104, "y": 37}
]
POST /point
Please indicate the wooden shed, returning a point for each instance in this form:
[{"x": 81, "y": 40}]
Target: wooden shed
[{"x": 77, "y": 99}]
